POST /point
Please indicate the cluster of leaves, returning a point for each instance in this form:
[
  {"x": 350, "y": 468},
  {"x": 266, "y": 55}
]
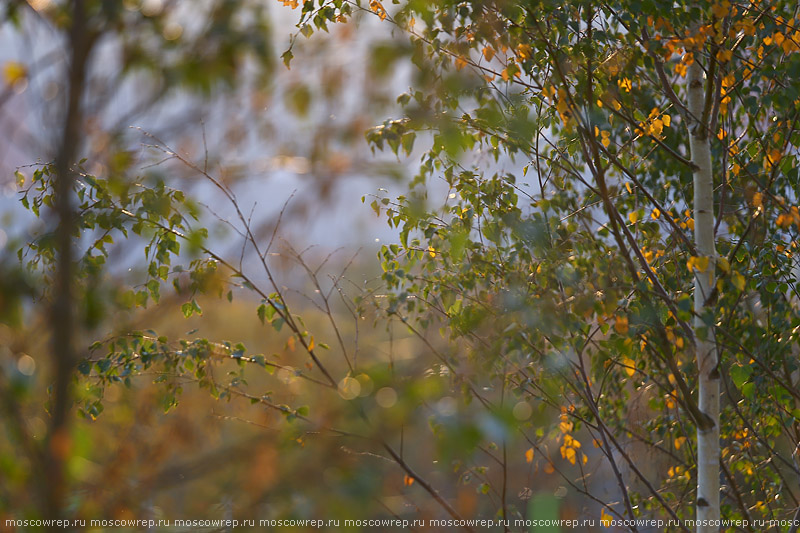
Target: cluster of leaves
[{"x": 161, "y": 219}]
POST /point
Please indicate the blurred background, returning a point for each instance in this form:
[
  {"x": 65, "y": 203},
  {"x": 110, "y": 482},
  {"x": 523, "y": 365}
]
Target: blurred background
[{"x": 201, "y": 97}]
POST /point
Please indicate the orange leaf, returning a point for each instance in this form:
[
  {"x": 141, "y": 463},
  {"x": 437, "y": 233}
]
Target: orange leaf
[
  {"x": 621, "y": 324},
  {"x": 529, "y": 455},
  {"x": 378, "y": 9}
]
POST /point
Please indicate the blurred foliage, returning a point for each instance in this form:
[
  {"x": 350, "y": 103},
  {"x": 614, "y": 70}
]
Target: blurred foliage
[{"x": 530, "y": 353}]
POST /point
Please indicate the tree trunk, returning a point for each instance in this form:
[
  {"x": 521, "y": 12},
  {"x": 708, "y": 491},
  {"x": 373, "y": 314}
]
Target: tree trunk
[
  {"x": 63, "y": 324},
  {"x": 708, "y": 453}
]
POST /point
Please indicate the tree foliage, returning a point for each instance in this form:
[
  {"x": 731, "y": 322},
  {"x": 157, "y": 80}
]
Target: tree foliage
[{"x": 575, "y": 293}]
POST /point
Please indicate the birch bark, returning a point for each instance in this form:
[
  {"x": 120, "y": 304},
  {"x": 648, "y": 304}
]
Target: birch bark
[{"x": 708, "y": 451}]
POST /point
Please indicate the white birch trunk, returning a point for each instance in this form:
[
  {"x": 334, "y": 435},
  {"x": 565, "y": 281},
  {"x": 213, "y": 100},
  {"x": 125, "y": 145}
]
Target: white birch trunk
[{"x": 708, "y": 452}]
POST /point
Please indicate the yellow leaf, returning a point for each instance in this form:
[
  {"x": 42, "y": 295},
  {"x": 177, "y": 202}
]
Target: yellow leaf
[
  {"x": 738, "y": 281},
  {"x": 679, "y": 442},
  {"x": 657, "y": 127},
  {"x": 655, "y": 214},
  {"x": 666, "y": 120},
  {"x": 792, "y": 44},
  {"x": 14, "y": 71},
  {"x": 605, "y": 518},
  {"x": 529, "y": 455},
  {"x": 720, "y": 10},
  {"x": 723, "y": 56},
  {"x": 699, "y": 264},
  {"x": 461, "y": 62},
  {"x": 408, "y": 480},
  {"x": 562, "y": 105},
  {"x": 488, "y": 53},
  {"x": 629, "y": 367},
  {"x": 431, "y": 251},
  {"x": 569, "y": 454},
  {"x": 633, "y": 217}
]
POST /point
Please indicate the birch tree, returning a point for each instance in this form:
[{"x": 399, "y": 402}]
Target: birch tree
[
  {"x": 708, "y": 453},
  {"x": 641, "y": 124}
]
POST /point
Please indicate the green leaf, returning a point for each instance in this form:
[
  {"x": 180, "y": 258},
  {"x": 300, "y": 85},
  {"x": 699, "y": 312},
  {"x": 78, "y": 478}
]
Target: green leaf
[
  {"x": 154, "y": 287},
  {"x": 85, "y": 367},
  {"x": 748, "y": 389},
  {"x": 739, "y": 374},
  {"x": 191, "y": 308}
]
